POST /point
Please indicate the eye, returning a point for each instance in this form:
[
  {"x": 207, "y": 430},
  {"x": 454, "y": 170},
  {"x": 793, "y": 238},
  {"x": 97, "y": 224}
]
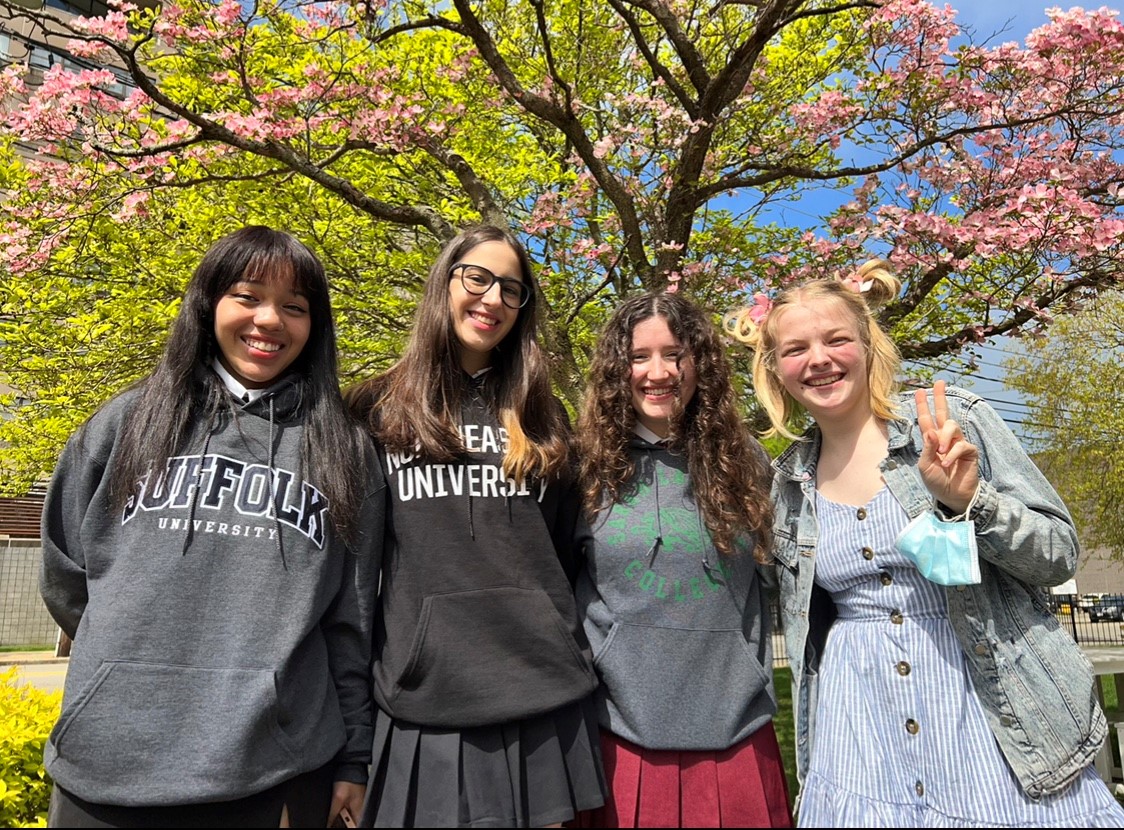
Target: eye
[
  {"x": 243, "y": 296},
  {"x": 513, "y": 290},
  {"x": 294, "y": 308},
  {"x": 477, "y": 279},
  {"x": 639, "y": 357}
]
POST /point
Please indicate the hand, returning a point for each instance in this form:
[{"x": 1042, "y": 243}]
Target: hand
[
  {"x": 349, "y": 795},
  {"x": 949, "y": 463}
]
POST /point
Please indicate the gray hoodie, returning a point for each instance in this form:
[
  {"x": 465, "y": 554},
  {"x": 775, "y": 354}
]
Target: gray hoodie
[
  {"x": 221, "y": 641},
  {"x": 680, "y": 635}
]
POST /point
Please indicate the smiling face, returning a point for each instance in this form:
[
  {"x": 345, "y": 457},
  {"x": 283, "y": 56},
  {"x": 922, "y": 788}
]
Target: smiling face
[
  {"x": 482, "y": 321},
  {"x": 821, "y": 361},
  {"x": 662, "y": 372},
  {"x": 261, "y": 328}
]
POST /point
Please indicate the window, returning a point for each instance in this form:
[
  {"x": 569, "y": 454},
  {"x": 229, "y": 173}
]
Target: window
[
  {"x": 85, "y": 8},
  {"x": 43, "y": 58}
]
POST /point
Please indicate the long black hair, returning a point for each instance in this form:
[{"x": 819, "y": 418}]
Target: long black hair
[
  {"x": 417, "y": 401},
  {"x": 183, "y": 390}
]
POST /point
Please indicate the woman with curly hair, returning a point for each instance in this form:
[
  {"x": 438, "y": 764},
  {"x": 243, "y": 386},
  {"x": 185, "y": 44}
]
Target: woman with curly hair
[{"x": 678, "y": 495}]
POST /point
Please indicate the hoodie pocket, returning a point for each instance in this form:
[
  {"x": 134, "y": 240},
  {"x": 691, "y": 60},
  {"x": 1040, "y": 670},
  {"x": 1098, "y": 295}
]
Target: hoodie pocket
[
  {"x": 674, "y": 688},
  {"x": 146, "y": 733},
  {"x": 487, "y": 656}
]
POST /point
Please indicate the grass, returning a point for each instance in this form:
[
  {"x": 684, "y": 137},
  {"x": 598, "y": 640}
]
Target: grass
[
  {"x": 38, "y": 647},
  {"x": 782, "y": 723},
  {"x": 1108, "y": 688}
]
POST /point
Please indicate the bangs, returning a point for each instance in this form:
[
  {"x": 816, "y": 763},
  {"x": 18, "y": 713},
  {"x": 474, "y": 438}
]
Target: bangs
[{"x": 274, "y": 268}]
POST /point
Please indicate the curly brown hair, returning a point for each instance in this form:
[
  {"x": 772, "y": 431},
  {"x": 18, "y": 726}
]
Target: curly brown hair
[{"x": 728, "y": 469}]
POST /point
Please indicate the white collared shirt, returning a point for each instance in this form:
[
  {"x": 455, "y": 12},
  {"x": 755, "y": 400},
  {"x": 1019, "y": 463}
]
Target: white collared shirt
[
  {"x": 232, "y": 384},
  {"x": 643, "y": 432}
]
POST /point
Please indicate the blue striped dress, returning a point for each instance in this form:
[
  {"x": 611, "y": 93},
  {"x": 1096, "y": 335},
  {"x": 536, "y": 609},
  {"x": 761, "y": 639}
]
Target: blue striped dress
[{"x": 901, "y": 739}]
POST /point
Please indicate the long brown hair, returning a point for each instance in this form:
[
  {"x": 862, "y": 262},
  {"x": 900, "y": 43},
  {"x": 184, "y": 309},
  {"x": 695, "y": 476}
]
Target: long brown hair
[
  {"x": 416, "y": 403},
  {"x": 728, "y": 470}
]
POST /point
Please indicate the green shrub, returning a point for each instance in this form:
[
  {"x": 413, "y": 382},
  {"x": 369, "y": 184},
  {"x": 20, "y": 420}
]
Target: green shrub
[{"x": 27, "y": 716}]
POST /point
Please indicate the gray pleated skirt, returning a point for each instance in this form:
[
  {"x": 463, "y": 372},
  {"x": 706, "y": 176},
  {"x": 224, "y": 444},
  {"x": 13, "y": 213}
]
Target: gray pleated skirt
[{"x": 528, "y": 773}]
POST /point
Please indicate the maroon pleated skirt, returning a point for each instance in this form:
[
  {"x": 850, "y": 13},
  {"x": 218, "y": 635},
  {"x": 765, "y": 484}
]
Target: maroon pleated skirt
[{"x": 743, "y": 786}]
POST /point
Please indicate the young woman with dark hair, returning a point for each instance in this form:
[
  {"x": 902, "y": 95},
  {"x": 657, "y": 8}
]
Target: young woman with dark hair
[
  {"x": 670, "y": 594},
  {"x": 482, "y": 672},
  {"x": 211, "y": 542}
]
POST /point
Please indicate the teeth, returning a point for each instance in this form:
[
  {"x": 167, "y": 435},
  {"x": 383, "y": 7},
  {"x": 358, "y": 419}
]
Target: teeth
[
  {"x": 659, "y": 393},
  {"x": 825, "y": 381},
  {"x": 262, "y": 346},
  {"x": 483, "y": 318}
]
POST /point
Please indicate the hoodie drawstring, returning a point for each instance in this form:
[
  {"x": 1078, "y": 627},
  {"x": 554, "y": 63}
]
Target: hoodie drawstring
[
  {"x": 658, "y": 543},
  {"x": 198, "y": 486},
  {"x": 273, "y": 491},
  {"x": 713, "y": 573}
]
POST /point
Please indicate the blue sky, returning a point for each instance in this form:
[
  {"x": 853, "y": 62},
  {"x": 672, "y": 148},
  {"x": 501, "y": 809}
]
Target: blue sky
[{"x": 1017, "y": 18}]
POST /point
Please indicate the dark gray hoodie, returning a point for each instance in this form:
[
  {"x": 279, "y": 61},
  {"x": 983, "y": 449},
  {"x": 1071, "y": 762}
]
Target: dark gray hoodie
[
  {"x": 679, "y": 633},
  {"x": 221, "y": 644}
]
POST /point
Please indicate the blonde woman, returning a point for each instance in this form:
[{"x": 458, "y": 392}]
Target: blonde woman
[{"x": 914, "y": 543}]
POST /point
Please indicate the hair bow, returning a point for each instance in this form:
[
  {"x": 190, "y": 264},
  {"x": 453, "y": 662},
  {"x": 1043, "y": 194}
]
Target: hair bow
[
  {"x": 760, "y": 308},
  {"x": 859, "y": 286}
]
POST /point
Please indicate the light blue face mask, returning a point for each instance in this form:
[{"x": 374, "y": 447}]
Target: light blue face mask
[{"x": 944, "y": 552}]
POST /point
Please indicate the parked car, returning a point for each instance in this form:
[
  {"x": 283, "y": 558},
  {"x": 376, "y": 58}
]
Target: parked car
[
  {"x": 1087, "y": 601},
  {"x": 1107, "y": 607}
]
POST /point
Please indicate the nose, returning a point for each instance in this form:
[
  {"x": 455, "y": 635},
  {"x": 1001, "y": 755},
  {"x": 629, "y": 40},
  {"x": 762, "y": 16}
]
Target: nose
[
  {"x": 818, "y": 355},
  {"x": 267, "y": 316},
  {"x": 661, "y": 368},
  {"x": 494, "y": 295}
]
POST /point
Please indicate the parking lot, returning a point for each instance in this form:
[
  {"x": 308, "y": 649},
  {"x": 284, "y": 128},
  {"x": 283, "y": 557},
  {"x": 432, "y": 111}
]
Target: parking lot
[{"x": 1091, "y": 618}]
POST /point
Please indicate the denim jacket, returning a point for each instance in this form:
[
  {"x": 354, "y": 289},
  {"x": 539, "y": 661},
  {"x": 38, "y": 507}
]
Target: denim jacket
[{"x": 1035, "y": 684}]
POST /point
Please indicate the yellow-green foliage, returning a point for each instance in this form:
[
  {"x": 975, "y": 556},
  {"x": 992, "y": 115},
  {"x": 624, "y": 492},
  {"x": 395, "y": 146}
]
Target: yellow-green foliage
[{"x": 27, "y": 715}]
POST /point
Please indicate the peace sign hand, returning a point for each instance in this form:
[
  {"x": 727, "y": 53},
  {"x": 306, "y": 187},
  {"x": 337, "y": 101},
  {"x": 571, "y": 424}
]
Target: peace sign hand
[{"x": 949, "y": 463}]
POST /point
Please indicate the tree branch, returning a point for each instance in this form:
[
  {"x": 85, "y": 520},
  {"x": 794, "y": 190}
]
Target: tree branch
[{"x": 567, "y": 123}]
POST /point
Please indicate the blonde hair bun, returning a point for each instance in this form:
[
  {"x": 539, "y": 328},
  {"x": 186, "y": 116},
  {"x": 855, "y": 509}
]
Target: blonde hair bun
[{"x": 874, "y": 282}]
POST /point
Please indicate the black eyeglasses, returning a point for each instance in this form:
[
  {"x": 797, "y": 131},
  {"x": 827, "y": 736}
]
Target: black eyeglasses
[{"x": 478, "y": 280}]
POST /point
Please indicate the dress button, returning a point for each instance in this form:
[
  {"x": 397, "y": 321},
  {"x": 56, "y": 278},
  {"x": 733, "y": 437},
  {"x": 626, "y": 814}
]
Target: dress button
[
  {"x": 896, "y": 617},
  {"x": 912, "y": 727},
  {"x": 903, "y": 668},
  {"x": 885, "y": 578},
  {"x": 1006, "y": 720},
  {"x": 919, "y": 788},
  {"x": 961, "y": 587},
  {"x": 868, "y": 553},
  {"x": 891, "y": 465},
  {"x": 981, "y": 649},
  {"x": 861, "y": 513}
]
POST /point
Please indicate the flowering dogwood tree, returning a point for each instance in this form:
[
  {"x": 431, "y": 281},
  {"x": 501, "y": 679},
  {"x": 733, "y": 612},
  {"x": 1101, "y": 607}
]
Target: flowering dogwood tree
[{"x": 633, "y": 143}]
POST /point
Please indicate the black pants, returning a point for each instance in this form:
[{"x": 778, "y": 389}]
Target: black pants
[{"x": 308, "y": 797}]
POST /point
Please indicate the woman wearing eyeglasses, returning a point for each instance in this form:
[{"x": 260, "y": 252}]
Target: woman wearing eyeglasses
[{"x": 482, "y": 670}]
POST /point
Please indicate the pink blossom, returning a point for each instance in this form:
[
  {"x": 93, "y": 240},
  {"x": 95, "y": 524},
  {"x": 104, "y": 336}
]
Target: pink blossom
[{"x": 760, "y": 309}]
